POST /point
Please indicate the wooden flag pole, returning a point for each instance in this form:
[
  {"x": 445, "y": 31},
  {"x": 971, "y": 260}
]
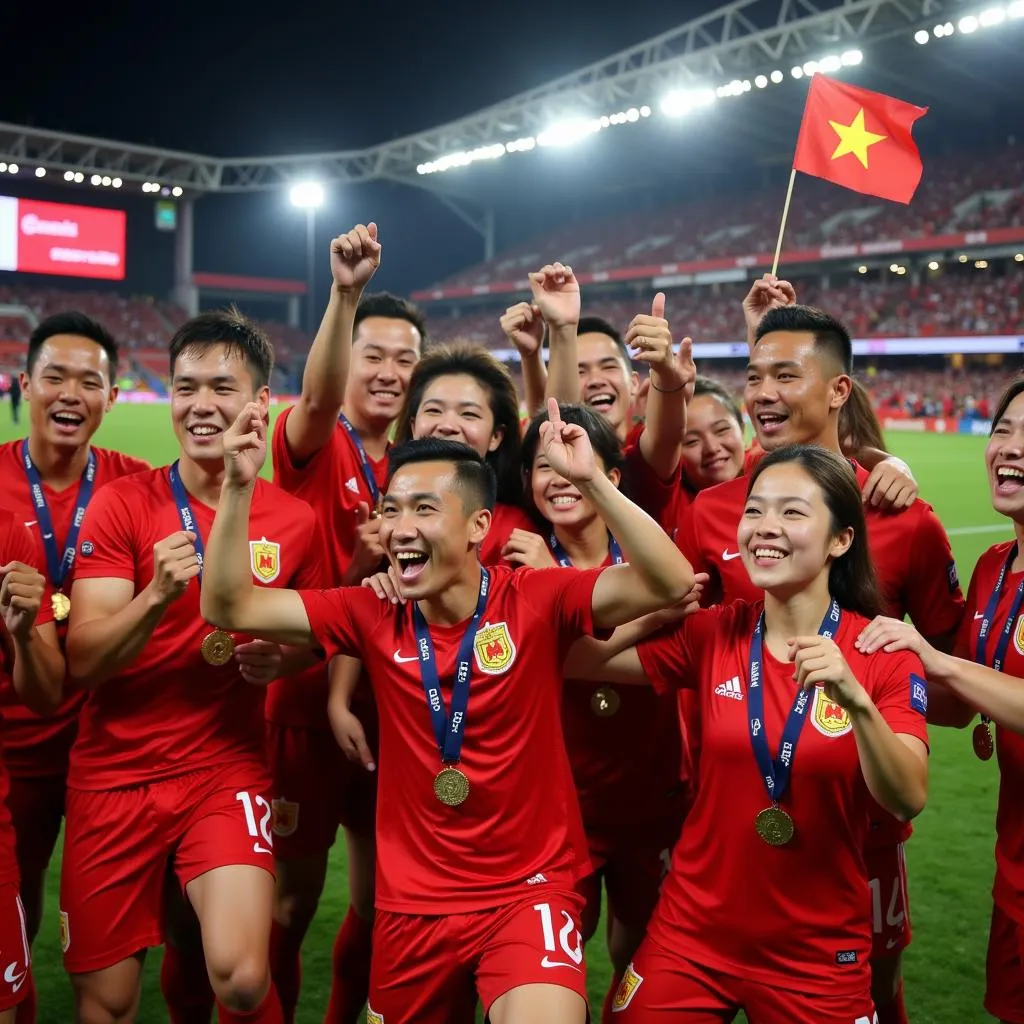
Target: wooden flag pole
[{"x": 782, "y": 226}]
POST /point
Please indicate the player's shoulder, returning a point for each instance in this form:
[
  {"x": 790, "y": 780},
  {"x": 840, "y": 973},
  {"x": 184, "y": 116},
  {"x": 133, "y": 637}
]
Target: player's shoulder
[
  {"x": 991, "y": 560},
  {"x": 511, "y": 517},
  {"x": 10, "y": 451},
  {"x": 113, "y": 465},
  {"x": 132, "y": 493},
  {"x": 726, "y": 496},
  {"x": 284, "y": 504}
]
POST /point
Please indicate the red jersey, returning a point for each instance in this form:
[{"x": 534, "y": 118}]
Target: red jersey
[
  {"x": 1008, "y": 892},
  {"x": 505, "y": 519},
  {"x": 796, "y": 916},
  {"x": 16, "y": 545},
  {"x": 36, "y": 747},
  {"x": 519, "y": 832},
  {"x": 170, "y": 713}
]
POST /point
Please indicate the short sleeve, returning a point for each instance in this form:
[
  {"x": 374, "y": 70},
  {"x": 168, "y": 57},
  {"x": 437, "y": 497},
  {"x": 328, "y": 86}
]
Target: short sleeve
[
  {"x": 671, "y": 657},
  {"x": 657, "y": 497},
  {"x": 311, "y": 573},
  {"x": 933, "y": 598},
  {"x": 107, "y": 545},
  {"x": 562, "y": 596},
  {"x": 332, "y": 620},
  {"x": 900, "y": 692},
  {"x": 964, "y": 639},
  {"x": 317, "y": 471}
]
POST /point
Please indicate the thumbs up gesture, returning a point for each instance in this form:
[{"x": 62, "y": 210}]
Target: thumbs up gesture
[{"x": 650, "y": 340}]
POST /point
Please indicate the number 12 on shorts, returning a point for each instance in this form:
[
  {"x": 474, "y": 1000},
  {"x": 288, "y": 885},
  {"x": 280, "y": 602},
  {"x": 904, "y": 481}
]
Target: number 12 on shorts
[
  {"x": 260, "y": 832},
  {"x": 565, "y": 933}
]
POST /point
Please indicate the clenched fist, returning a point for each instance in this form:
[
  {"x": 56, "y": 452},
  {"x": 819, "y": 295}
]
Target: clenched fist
[
  {"x": 355, "y": 257},
  {"x": 175, "y": 562},
  {"x": 556, "y": 293},
  {"x": 523, "y": 325},
  {"x": 21, "y": 593}
]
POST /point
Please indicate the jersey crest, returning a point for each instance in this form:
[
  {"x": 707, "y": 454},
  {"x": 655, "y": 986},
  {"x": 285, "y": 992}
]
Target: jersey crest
[
  {"x": 265, "y": 556},
  {"x": 494, "y": 648},
  {"x": 372, "y": 1017},
  {"x": 631, "y": 981},
  {"x": 286, "y": 817},
  {"x": 829, "y": 718},
  {"x": 1018, "y": 636},
  {"x": 65, "y": 931}
]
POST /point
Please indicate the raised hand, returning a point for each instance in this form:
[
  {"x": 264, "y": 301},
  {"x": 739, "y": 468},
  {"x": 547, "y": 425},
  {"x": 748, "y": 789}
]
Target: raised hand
[
  {"x": 556, "y": 293},
  {"x": 259, "y": 661},
  {"x": 567, "y": 447},
  {"x": 886, "y": 634},
  {"x": 368, "y": 552},
  {"x": 175, "y": 562},
  {"x": 891, "y": 486},
  {"x": 820, "y": 662},
  {"x": 524, "y": 547},
  {"x": 768, "y": 292},
  {"x": 355, "y": 257},
  {"x": 523, "y": 325},
  {"x": 386, "y": 585},
  {"x": 21, "y": 593},
  {"x": 650, "y": 338},
  {"x": 245, "y": 446}
]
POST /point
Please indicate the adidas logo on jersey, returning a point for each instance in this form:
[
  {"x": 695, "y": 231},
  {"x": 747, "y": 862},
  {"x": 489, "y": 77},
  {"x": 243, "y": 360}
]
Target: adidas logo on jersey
[
  {"x": 536, "y": 879},
  {"x": 352, "y": 484},
  {"x": 730, "y": 688}
]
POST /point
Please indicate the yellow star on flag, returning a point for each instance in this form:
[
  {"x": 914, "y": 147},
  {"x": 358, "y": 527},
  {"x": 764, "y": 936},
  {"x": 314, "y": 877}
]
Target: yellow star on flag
[{"x": 855, "y": 138}]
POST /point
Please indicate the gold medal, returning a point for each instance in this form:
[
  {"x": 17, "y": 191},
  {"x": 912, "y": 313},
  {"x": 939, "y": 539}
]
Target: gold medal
[
  {"x": 981, "y": 739},
  {"x": 217, "y": 647},
  {"x": 774, "y": 826},
  {"x": 604, "y": 702},
  {"x": 451, "y": 786},
  {"x": 61, "y": 605}
]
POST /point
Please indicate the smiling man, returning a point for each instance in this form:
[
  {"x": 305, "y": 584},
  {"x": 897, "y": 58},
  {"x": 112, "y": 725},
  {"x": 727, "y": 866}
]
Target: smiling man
[{"x": 47, "y": 481}]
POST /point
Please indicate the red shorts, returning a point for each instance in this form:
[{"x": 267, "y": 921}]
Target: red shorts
[
  {"x": 1004, "y": 968},
  {"x": 663, "y": 986},
  {"x": 15, "y": 961},
  {"x": 119, "y": 843},
  {"x": 423, "y": 965},
  {"x": 632, "y": 865},
  {"x": 37, "y": 809},
  {"x": 315, "y": 788},
  {"x": 890, "y": 905}
]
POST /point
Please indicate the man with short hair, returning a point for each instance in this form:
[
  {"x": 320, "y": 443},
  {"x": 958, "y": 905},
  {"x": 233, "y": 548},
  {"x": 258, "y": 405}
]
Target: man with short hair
[
  {"x": 483, "y": 649},
  {"x": 47, "y": 480},
  {"x": 167, "y": 774}
]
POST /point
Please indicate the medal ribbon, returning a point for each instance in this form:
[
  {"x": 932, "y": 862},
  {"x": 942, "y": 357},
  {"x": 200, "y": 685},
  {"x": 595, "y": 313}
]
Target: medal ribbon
[
  {"x": 58, "y": 565},
  {"x": 364, "y": 459},
  {"x": 563, "y": 559},
  {"x": 776, "y": 772},
  {"x": 185, "y": 514},
  {"x": 987, "y": 620},
  {"x": 449, "y": 730}
]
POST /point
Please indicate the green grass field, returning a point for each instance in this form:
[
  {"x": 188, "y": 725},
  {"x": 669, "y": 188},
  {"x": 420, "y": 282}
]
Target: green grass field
[{"x": 950, "y": 856}]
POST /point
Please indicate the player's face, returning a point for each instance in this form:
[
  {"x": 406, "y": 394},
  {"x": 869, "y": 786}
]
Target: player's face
[
  {"x": 1004, "y": 459},
  {"x": 785, "y": 536},
  {"x": 713, "y": 443},
  {"x": 457, "y": 407},
  {"x": 69, "y": 390},
  {"x": 384, "y": 351},
  {"x": 559, "y": 501},
  {"x": 790, "y": 393},
  {"x": 607, "y": 384},
  {"x": 210, "y": 386},
  {"x": 429, "y": 537}
]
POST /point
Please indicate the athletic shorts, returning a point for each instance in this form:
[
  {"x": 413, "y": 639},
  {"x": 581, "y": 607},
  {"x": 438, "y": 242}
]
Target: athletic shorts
[
  {"x": 890, "y": 904},
  {"x": 422, "y": 965},
  {"x": 315, "y": 788},
  {"x": 118, "y": 845},
  {"x": 662, "y": 986},
  {"x": 1004, "y": 968},
  {"x": 37, "y": 809},
  {"x": 632, "y": 864},
  {"x": 15, "y": 960}
]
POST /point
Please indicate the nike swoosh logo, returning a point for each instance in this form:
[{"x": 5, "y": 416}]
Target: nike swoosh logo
[
  {"x": 400, "y": 660},
  {"x": 13, "y": 977},
  {"x": 728, "y": 556},
  {"x": 979, "y": 615},
  {"x": 31, "y": 522},
  {"x": 891, "y": 943},
  {"x": 548, "y": 962},
  {"x": 260, "y": 848}
]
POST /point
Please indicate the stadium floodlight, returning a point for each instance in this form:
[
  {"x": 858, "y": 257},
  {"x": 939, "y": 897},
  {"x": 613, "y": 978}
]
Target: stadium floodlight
[
  {"x": 69, "y": 175},
  {"x": 12, "y": 168},
  {"x": 1019, "y": 257},
  {"x": 862, "y": 269},
  {"x": 177, "y": 191},
  {"x": 968, "y": 25},
  {"x": 831, "y": 63},
  {"x": 40, "y": 172},
  {"x": 117, "y": 183},
  {"x": 3, "y": 167},
  {"x": 1016, "y": 9},
  {"x": 933, "y": 265},
  {"x": 521, "y": 145},
  {"x": 981, "y": 264},
  {"x": 993, "y": 16},
  {"x": 645, "y": 111},
  {"x": 761, "y": 81},
  {"x": 95, "y": 179},
  {"x": 306, "y": 195},
  {"x": 851, "y": 58},
  {"x": 797, "y": 72},
  {"x": 894, "y": 267},
  {"x": 921, "y": 36},
  {"x": 963, "y": 257},
  {"x": 105, "y": 181},
  {"x": 811, "y": 68},
  {"x": 777, "y": 76},
  {"x": 79, "y": 177},
  {"x": 565, "y": 133},
  {"x": 681, "y": 101}
]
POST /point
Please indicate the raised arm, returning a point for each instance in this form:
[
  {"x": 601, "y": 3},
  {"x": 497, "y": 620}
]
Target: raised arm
[
  {"x": 656, "y": 574},
  {"x": 556, "y": 293},
  {"x": 228, "y": 598},
  {"x": 38, "y": 669},
  {"x": 523, "y": 325},
  {"x": 355, "y": 257}
]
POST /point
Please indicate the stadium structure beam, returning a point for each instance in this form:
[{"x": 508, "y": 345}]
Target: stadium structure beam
[
  {"x": 480, "y": 218},
  {"x": 738, "y": 40}
]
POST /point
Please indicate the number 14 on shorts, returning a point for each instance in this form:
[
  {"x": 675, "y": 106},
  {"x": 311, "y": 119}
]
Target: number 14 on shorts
[{"x": 570, "y": 942}]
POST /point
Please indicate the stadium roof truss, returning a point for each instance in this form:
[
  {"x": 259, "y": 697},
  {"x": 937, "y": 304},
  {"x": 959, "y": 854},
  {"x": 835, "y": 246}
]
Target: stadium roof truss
[{"x": 739, "y": 39}]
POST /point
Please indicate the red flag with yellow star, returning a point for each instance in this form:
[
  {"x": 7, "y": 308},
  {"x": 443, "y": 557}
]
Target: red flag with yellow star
[{"x": 859, "y": 139}]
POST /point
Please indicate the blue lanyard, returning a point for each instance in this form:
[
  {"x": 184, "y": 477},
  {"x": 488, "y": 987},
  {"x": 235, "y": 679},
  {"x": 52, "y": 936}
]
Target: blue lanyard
[
  {"x": 776, "y": 772},
  {"x": 364, "y": 459},
  {"x": 58, "y": 565},
  {"x": 988, "y": 618},
  {"x": 185, "y": 514},
  {"x": 449, "y": 730},
  {"x": 563, "y": 559}
]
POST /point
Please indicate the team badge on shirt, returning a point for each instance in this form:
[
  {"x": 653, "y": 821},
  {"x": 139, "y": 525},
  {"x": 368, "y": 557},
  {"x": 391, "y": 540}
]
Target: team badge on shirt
[
  {"x": 494, "y": 648},
  {"x": 265, "y": 556},
  {"x": 631, "y": 981},
  {"x": 1018, "y": 636},
  {"x": 829, "y": 718},
  {"x": 286, "y": 817},
  {"x": 373, "y": 1017},
  {"x": 65, "y": 931}
]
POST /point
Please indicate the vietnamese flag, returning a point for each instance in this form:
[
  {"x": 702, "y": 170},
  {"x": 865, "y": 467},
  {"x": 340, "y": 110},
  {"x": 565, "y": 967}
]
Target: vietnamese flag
[{"x": 859, "y": 139}]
